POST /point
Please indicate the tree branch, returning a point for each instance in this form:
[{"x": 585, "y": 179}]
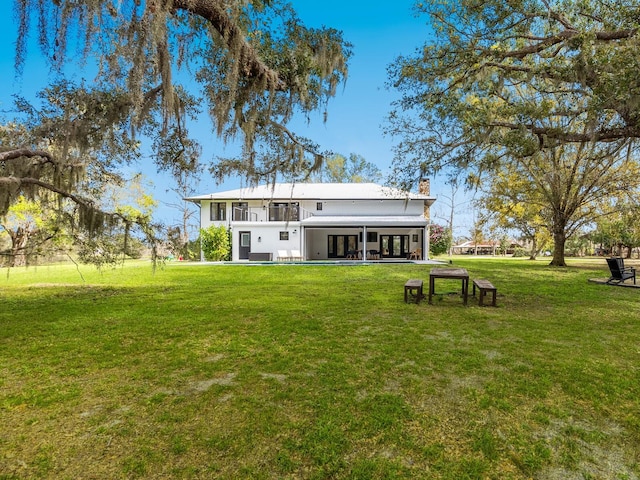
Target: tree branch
[
  {"x": 601, "y": 135},
  {"x": 212, "y": 12},
  {"x": 559, "y": 38},
  {"x": 26, "y": 152},
  {"x": 47, "y": 186}
]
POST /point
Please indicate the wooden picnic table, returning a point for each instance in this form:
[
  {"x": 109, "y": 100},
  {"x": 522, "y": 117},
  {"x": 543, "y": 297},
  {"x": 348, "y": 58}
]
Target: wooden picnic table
[{"x": 449, "y": 273}]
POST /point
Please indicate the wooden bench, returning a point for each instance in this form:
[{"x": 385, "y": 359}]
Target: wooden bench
[
  {"x": 413, "y": 288},
  {"x": 484, "y": 286}
]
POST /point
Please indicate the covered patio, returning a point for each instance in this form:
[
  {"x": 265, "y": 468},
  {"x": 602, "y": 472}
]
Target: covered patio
[{"x": 365, "y": 238}]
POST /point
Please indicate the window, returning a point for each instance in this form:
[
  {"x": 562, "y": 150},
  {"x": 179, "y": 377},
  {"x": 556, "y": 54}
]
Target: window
[
  {"x": 319, "y": 206},
  {"x": 372, "y": 237},
  {"x": 245, "y": 239},
  {"x": 283, "y": 212},
  {"x": 218, "y": 211},
  {"x": 284, "y": 235}
]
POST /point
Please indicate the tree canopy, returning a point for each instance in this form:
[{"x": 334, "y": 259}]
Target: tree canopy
[
  {"x": 150, "y": 67},
  {"x": 255, "y": 63},
  {"x": 340, "y": 169},
  {"x": 503, "y": 78},
  {"x": 546, "y": 87}
]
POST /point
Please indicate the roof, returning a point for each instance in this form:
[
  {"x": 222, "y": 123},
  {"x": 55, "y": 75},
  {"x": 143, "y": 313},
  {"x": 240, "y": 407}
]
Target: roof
[
  {"x": 315, "y": 191},
  {"x": 365, "y": 220}
]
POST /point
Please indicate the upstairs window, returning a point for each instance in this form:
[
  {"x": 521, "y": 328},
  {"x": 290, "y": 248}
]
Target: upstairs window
[{"x": 218, "y": 211}]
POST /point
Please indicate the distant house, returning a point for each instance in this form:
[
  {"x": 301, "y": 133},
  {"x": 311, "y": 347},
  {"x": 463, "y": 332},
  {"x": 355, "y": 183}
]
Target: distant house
[
  {"x": 483, "y": 248},
  {"x": 321, "y": 221}
]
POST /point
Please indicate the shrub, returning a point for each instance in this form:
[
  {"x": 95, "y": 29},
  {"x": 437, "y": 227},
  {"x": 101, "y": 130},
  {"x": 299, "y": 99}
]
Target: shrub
[
  {"x": 520, "y": 252},
  {"x": 439, "y": 240},
  {"x": 215, "y": 243}
]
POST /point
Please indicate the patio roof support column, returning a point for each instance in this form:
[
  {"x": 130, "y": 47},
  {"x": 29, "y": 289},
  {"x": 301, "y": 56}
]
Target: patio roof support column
[
  {"x": 364, "y": 243},
  {"x": 426, "y": 233}
]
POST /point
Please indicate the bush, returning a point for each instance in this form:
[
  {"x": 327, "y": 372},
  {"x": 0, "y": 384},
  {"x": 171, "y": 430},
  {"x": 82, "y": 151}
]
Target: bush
[
  {"x": 439, "y": 240},
  {"x": 520, "y": 252},
  {"x": 215, "y": 243}
]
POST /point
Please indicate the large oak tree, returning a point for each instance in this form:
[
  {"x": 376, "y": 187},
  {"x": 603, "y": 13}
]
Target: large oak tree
[
  {"x": 254, "y": 64},
  {"x": 563, "y": 189},
  {"x": 517, "y": 80}
]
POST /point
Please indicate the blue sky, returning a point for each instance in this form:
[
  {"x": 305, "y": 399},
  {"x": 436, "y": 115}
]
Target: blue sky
[{"x": 379, "y": 30}]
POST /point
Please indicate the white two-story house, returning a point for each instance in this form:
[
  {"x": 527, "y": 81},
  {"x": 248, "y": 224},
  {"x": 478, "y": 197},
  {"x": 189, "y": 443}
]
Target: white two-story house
[{"x": 321, "y": 221}]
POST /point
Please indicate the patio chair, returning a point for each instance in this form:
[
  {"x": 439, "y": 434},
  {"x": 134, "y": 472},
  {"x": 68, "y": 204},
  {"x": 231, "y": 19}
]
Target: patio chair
[
  {"x": 295, "y": 255},
  {"x": 283, "y": 256},
  {"x": 619, "y": 273},
  {"x": 416, "y": 254}
]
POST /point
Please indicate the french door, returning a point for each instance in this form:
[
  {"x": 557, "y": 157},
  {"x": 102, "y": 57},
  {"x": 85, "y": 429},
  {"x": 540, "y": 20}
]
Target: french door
[
  {"x": 394, "y": 246},
  {"x": 339, "y": 245}
]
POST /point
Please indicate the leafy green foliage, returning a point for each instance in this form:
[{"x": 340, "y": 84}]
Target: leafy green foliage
[
  {"x": 619, "y": 232},
  {"x": 31, "y": 229},
  {"x": 339, "y": 169},
  {"x": 254, "y": 62},
  {"x": 536, "y": 89},
  {"x": 517, "y": 77},
  {"x": 215, "y": 243}
]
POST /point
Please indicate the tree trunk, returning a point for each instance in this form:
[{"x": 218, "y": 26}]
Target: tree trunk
[
  {"x": 559, "y": 239},
  {"x": 19, "y": 240},
  {"x": 534, "y": 248}
]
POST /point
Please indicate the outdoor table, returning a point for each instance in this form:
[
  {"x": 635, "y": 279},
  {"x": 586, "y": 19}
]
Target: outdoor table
[{"x": 450, "y": 273}]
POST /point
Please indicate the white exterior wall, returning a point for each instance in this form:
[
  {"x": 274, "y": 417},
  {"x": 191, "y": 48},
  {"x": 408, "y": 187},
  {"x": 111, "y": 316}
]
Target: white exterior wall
[
  {"x": 364, "y": 207},
  {"x": 265, "y": 235},
  {"x": 259, "y": 211}
]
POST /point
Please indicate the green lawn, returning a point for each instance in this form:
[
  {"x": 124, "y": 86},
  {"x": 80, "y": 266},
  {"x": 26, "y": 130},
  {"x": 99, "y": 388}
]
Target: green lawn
[{"x": 317, "y": 372}]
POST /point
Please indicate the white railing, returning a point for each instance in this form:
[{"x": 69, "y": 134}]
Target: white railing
[{"x": 271, "y": 213}]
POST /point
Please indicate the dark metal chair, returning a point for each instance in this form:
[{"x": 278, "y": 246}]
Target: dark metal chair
[{"x": 620, "y": 273}]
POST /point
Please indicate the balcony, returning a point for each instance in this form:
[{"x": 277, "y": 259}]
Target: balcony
[
  {"x": 270, "y": 213},
  {"x": 284, "y": 213}
]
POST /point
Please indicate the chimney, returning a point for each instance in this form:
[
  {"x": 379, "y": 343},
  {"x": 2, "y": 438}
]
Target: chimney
[{"x": 424, "y": 188}]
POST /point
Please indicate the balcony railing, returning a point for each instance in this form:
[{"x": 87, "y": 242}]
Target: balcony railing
[
  {"x": 283, "y": 213},
  {"x": 272, "y": 213}
]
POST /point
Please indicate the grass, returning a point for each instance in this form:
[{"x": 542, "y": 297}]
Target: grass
[{"x": 317, "y": 372}]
